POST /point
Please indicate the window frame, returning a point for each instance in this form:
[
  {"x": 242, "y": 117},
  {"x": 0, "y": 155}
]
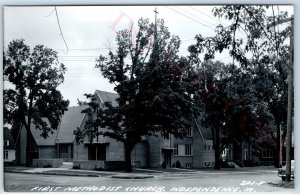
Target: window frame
[
  {"x": 5, "y": 154},
  {"x": 65, "y": 149},
  {"x": 6, "y": 142},
  {"x": 183, "y": 150}
]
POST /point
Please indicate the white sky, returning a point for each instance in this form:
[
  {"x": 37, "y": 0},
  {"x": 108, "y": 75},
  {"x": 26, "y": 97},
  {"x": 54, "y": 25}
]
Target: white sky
[{"x": 90, "y": 30}]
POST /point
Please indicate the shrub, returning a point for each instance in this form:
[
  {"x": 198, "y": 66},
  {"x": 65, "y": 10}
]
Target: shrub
[
  {"x": 177, "y": 164},
  {"x": 76, "y": 167},
  {"x": 227, "y": 164},
  {"x": 98, "y": 168},
  {"x": 239, "y": 163},
  {"x": 47, "y": 166}
]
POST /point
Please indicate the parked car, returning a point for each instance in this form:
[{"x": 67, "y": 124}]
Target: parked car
[{"x": 282, "y": 171}]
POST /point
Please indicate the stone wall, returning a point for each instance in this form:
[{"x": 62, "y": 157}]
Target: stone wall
[
  {"x": 47, "y": 163},
  {"x": 88, "y": 164},
  {"x": 98, "y": 165}
]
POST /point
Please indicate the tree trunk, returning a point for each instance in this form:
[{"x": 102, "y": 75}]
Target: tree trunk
[
  {"x": 128, "y": 146},
  {"x": 277, "y": 151},
  {"x": 217, "y": 150}
]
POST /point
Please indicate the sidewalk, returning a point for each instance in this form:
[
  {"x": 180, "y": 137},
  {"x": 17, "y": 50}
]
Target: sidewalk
[{"x": 67, "y": 171}]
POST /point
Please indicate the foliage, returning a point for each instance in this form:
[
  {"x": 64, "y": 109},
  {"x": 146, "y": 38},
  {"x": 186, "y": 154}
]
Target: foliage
[
  {"x": 267, "y": 45},
  {"x": 31, "y": 95},
  {"x": 255, "y": 90},
  {"x": 154, "y": 87}
]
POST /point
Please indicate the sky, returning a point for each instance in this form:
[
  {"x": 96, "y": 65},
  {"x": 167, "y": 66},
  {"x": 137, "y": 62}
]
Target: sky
[{"x": 90, "y": 31}]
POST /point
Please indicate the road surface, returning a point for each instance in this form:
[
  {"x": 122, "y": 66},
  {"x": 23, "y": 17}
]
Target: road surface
[{"x": 249, "y": 180}]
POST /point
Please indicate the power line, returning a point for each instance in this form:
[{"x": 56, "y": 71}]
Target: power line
[
  {"x": 189, "y": 17},
  {"x": 195, "y": 15},
  {"x": 60, "y": 28},
  {"x": 204, "y": 13},
  {"x": 99, "y": 48},
  {"x": 50, "y": 13}
]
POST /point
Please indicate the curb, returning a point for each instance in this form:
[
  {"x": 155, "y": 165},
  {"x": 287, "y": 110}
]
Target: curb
[
  {"x": 61, "y": 174},
  {"x": 87, "y": 175},
  {"x": 132, "y": 176}
]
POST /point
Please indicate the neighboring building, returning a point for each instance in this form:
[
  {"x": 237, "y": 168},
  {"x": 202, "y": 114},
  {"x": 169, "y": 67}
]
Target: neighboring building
[
  {"x": 193, "y": 151},
  {"x": 9, "y": 152},
  {"x": 59, "y": 144}
]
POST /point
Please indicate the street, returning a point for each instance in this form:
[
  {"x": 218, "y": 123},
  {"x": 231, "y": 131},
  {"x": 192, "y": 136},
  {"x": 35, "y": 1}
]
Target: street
[{"x": 245, "y": 179}]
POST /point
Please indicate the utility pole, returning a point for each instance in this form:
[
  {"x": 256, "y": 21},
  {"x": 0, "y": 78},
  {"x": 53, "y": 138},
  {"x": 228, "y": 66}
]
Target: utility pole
[
  {"x": 290, "y": 101},
  {"x": 280, "y": 148},
  {"x": 155, "y": 37},
  {"x": 290, "y": 97}
]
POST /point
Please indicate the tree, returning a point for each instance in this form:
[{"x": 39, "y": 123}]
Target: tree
[
  {"x": 31, "y": 95},
  {"x": 231, "y": 110},
  {"x": 266, "y": 44},
  {"x": 230, "y": 97},
  {"x": 154, "y": 85},
  {"x": 258, "y": 48}
]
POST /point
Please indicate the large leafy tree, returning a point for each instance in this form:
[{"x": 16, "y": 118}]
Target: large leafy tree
[
  {"x": 258, "y": 47},
  {"x": 31, "y": 97},
  {"x": 154, "y": 87},
  {"x": 230, "y": 108},
  {"x": 266, "y": 43}
]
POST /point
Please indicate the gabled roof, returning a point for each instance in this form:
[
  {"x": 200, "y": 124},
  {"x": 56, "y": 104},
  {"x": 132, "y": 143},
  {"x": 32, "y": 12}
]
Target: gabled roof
[
  {"x": 8, "y": 136},
  {"x": 107, "y": 97},
  {"x": 41, "y": 141},
  {"x": 69, "y": 122}
]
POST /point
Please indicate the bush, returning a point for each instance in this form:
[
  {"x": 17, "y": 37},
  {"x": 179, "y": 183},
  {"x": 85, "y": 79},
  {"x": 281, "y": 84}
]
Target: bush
[
  {"x": 98, "y": 168},
  {"x": 76, "y": 167},
  {"x": 227, "y": 164},
  {"x": 47, "y": 166},
  {"x": 248, "y": 163},
  {"x": 239, "y": 163},
  {"x": 256, "y": 160},
  {"x": 164, "y": 164},
  {"x": 177, "y": 164}
]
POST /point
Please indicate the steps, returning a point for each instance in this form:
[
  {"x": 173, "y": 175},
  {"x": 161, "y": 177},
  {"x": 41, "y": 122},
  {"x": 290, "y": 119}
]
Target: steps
[{"x": 67, "y": 165}]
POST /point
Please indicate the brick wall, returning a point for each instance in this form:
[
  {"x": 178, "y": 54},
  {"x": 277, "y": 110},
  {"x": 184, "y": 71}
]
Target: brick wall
[
  {"x": 184, "y": 161},
  {"x": 203, "y": 154},
  {"x": 80, "y": 151},
  {"x": 139, "y": 155},
  {"x": 115, "y": 151},
  {"x": 47, "y": 163},
  {"x": 47, "y": 152},
  {"x": 154, "y": 151}
]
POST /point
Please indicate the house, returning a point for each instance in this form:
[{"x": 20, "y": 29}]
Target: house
[
  {"x": 9, "y": 152},
  {"x": 59, "y": 144},
  {"x": 193, "y": 151}
]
